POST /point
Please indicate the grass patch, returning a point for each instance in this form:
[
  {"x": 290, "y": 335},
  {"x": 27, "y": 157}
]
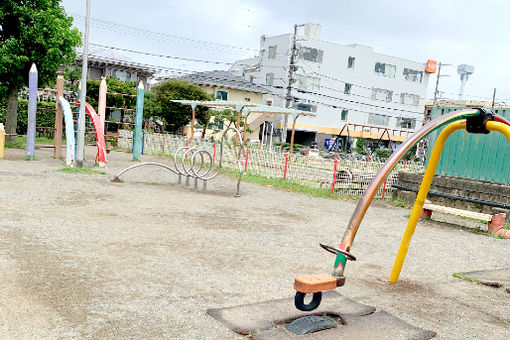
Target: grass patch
[
  {"x": 506, "y": 226},
  {"x": 286, "y": 185},
  {"x": 398, "y": 202},
  {"x": 464, "y": 277},
  {"x": 20, "y": 142},
  {"x": 87, "y": 171}
]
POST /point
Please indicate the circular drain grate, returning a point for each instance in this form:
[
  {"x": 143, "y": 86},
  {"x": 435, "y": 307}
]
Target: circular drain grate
[{"x": 310, "y": 324}]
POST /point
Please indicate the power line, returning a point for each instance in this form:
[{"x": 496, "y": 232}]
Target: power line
[
  {"x": 163, "y": 55},
  {"x": 160, "y": 36}
]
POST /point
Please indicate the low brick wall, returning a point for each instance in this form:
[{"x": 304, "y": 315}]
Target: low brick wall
[{"x": 490, "y": 192}]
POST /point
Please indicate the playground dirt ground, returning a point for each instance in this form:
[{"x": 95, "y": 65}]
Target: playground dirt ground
[{"x": 82, "y": 257}]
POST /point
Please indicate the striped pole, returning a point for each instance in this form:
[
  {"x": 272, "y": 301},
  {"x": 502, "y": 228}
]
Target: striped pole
[
  {"x": 164, "y": 142},
  {"x": 137, "y": 142},
  {"x": 32, "y": 108}
]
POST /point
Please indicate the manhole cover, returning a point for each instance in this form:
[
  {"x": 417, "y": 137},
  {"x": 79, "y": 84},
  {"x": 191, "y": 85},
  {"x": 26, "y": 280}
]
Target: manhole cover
[{"x": 310, "y": 324}]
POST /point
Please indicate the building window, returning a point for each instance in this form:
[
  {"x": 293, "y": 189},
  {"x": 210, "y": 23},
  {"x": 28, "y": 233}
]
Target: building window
[
  {"x": 377, "y": 119},
  {"x": 271, "y": 53},
  {"x": 121, "y": 75},
  {"x": 406, "y": 123},
  {"x": 413, "y": 75},
  {"x": 306, "y": 107},
  {"x": 409, "y": 99},
  {"x": 269, "y": 79},
  {"x": 350, "y": 62},
  {"x": 307, "y": 83},
  {"x": 347, "y": 88},
  {"x": 217, "y": 124},
  {"x": 222, "y": 95},
  {"x": 382, "y": 94},
  {"x": 311, "y": 54},
  {"x": 386, "y": 70},
  {"x": 343, "y": 115},
  {"x": 247, "y": 99}
]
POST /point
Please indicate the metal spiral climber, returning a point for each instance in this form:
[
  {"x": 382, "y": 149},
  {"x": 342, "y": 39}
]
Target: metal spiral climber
[{"x": 199, "y": 167}]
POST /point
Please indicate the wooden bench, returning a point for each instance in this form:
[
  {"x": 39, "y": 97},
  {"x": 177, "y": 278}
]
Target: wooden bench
[{"x": 494, "y": 222}]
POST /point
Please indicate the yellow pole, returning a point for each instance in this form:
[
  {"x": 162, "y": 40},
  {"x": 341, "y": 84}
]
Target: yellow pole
[
  {"x": 422, "y": 195},
  {"x": 500, "y": 127},
  {"x": 2, "y": 140}
]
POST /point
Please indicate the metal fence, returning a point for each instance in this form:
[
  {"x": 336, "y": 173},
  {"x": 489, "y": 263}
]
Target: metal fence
[
  {"x": 351, "y": 177},
  {"x": 474, "y": 156}
]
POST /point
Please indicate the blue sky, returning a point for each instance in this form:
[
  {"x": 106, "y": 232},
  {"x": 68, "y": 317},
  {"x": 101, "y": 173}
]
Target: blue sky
[{"x": 450, "y": 31}]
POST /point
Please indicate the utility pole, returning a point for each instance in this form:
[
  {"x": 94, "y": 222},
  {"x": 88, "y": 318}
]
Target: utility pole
[
  {"x": 290, "y": 80},
  {"x": 493, "y": 97},
  {"x": 434, "y": 102},
  {"x": 80, "y": 148}
]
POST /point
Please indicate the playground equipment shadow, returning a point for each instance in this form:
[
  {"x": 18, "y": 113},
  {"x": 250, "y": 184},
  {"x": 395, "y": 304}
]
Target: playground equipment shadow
[{"x": 81, "y": 257}]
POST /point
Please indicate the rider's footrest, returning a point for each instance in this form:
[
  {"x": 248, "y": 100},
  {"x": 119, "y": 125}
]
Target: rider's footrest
[{"x": 317, "y": 283}]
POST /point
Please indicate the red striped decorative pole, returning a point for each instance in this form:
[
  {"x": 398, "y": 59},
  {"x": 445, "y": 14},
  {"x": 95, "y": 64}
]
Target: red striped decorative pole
[
  {"x": 164, "y": 143},
  {"x": 384, "y": 188},
  {"x": 187, "y": 142},
  {"x": 307, "y": 154},
  {"x": 334, "y": 174},
  {"x": 285, "y": 169}
]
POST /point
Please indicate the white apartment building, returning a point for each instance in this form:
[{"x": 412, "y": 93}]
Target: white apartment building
[{"x": 342, "y": 83}]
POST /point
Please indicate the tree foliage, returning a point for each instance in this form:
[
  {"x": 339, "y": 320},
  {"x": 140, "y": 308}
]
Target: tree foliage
[
  {"x": 360, "y": 146},
  {"x": 117, "y": 90},
  {"x": 177, "y": 115},
  {"x": 34, "y": 31}
]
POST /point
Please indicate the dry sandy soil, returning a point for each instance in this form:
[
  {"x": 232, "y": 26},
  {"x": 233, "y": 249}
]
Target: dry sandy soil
[{"x": 82, "y": 257}]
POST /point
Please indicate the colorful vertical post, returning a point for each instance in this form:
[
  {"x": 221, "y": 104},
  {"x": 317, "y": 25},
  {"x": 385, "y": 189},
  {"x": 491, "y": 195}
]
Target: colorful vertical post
[
  {"x": 334, "y": 174},
  {"x": 57, "y": 135},
  {"x": 137, "y": 141},
  {"x": 101, "y": 102},
  {"x": 32, "y": 108}
]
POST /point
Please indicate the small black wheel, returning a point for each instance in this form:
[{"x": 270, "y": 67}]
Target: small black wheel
[{"x": 299, "y": 301}]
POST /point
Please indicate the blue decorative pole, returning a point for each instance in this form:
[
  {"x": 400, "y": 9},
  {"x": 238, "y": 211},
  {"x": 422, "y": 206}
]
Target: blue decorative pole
[
  {"x": 137, "y": 141},
  {"x": 32, "y": 108}
]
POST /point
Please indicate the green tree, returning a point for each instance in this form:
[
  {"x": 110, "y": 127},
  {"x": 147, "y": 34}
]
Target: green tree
[
  {"x": 120, "y": 94},
  {"x": 177, "y": 115},
  {"x": 32, "y": 31},
  {"x": 360, "y": 146}
]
